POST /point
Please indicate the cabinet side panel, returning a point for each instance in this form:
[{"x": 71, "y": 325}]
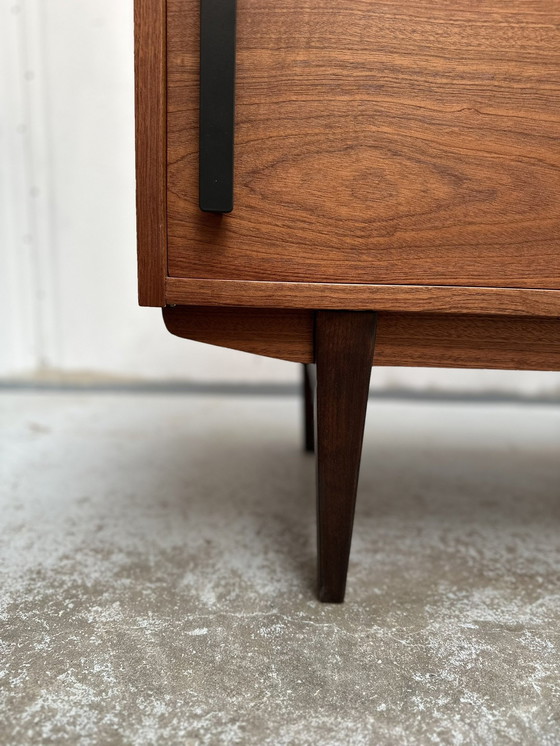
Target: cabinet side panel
[{"x": 151, "y": 159}]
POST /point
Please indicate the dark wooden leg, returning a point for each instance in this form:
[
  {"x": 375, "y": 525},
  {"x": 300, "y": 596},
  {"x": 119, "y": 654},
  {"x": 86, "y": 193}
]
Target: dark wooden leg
[
  {"x": 308, "y": 406},
  {"x": 344, "y": 343}
]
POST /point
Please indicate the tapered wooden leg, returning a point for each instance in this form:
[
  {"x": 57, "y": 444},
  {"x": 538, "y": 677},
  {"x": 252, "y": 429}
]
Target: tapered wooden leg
[
  {"x": 344, "y": 343},
  {"x": 308, "y": 407}
]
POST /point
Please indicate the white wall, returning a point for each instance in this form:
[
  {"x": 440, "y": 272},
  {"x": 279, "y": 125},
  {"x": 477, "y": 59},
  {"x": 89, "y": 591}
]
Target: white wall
[{"x": 67, "y": 243}]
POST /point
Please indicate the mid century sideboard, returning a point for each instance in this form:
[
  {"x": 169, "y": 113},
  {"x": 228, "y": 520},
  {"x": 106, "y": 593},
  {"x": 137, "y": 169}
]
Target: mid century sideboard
[{"x": 347, "y": 183}]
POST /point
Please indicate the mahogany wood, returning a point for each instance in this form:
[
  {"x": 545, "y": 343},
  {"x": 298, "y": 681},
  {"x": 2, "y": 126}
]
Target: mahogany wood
[
  {"x": 344, "y": 342},
  {"x": 377, "y": 142},
  {"x": 436, "y": 299},
  {"x": 151, "y": 149},
  {"x": 433, "y": 340}
]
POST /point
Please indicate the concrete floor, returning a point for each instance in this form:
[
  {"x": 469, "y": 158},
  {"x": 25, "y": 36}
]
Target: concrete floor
[{"x": 157, "y": 563}]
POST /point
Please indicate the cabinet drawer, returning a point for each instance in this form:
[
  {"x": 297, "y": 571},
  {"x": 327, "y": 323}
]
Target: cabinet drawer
[{"x": 376, "y": 142}]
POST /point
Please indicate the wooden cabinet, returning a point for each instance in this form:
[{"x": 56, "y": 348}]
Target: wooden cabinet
[{"x": 397, "y": 178}]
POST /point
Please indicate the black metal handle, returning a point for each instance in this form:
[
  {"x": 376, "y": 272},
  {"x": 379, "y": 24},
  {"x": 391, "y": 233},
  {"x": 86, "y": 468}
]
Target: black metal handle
[{"x": 217, "y": 102}]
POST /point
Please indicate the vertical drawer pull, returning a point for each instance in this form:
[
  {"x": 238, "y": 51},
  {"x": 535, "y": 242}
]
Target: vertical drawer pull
[{"x": 217, "y": 103}]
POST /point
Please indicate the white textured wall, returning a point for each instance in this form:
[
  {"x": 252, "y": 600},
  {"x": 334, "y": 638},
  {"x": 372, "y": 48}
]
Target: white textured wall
[{"x": 68, "y": 284}]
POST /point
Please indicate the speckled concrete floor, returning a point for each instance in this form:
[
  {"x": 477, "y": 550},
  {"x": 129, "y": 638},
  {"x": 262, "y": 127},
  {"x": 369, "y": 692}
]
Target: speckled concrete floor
[{"x": 157, "y": 567}]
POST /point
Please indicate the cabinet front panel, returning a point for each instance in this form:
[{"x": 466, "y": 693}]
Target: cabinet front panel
[{"x": 400, "y": 142}]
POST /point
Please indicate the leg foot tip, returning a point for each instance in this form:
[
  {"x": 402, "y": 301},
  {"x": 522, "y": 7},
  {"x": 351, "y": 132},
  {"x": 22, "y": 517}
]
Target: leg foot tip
[{"x": 331, "y": 596}]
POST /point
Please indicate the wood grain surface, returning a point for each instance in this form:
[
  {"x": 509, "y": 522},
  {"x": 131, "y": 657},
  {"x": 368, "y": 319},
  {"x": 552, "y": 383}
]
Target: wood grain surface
[
  {"x": 344, "y": 342},
  {"x": 506, "y": 301},
  {"x": 417, "y": 339},
  {"x": 281, "y": 333},
  {"x": 151, "y": 149},
  {"x": 391, "y": 142}
]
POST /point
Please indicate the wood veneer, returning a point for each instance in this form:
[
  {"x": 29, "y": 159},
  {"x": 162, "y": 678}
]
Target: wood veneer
[
  {"x": 436, "y": 299},
  {"x": 416, "y": 339},
  {"x": 151, "y": 148},
  {"x": 377, "y": 142}
]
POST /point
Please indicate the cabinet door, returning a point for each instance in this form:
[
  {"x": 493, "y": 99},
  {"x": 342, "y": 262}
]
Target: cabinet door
[{"x": 390, "y": 142}]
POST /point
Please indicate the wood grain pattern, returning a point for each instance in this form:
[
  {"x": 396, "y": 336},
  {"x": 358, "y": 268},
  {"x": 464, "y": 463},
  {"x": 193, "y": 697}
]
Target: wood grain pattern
[
  {"x": 286, "y": 334},
  {"x": 437, "y": 299},
  {"x": 429, "y": 340},
  {"x": 377, "y": 142},
  {"x": 151, "y": 149},
  {"x": 344, "y": 342},
  {"x": 432, "y": 340}
]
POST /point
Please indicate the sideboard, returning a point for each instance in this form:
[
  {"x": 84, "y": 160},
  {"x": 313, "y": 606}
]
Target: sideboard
[{"x": 347, "y": 184}]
